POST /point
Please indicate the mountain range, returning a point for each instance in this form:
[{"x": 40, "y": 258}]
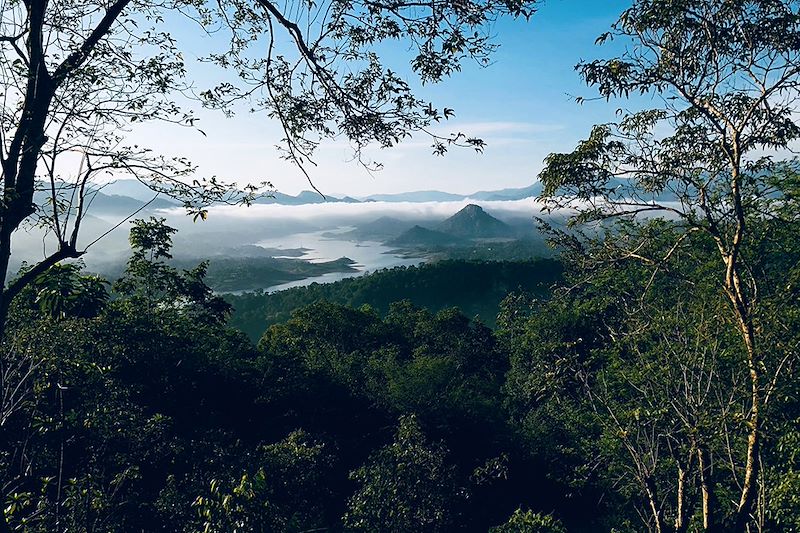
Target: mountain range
[
  {"x": 101, "y": 202},
  {"x": 439, "y": 196},
  {"x": 122, "y": 194},
  {"x": 134, "y": 189}
]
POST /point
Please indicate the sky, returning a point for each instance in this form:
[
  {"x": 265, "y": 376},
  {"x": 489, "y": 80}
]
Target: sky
[{"x": 523, "y": 105}]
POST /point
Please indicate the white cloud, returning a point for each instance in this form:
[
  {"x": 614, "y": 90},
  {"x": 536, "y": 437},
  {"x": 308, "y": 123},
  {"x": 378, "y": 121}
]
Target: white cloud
[{"x": 347, "y": 211}]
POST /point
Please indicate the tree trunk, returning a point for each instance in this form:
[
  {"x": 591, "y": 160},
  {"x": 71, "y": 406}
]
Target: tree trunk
[
  {"x": 743, "y": 314},
  {"x": 652, "y": 499},
  {"x": 707, "y": 491},
  {"x": 19, "y": 166},
  {"x": 681, "y": 512},
  {"x": 751, "y": 471},
  {"x": 742, "y": 310}
]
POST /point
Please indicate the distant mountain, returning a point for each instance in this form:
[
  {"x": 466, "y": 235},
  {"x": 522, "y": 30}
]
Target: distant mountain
[
  {"x": 386, "y": 226},
  {"x": 116, "y": 204},
  {"x": 304, "y": 198},
  {"x": 101, "y": 203},
  {"x": 379, "y": 229},
  {"x": 423, "y": 237},
  {"x": 135, "y": 189},
  {"x": 416, "y": 196},
  {"x": 472, "y": 222},
  {"x": 439, "y": 196},
  {"x": 508, "y": 194},
  {"x": 130, "y": 188}
]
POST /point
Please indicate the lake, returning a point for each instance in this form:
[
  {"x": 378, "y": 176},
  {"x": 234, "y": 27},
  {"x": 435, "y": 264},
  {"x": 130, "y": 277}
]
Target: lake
[{"x": 369, "y": 256}]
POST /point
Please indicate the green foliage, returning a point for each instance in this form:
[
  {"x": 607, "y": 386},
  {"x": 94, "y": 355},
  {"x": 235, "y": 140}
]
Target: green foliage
[
  {"x": 627, "y": 363},
  {"x": 147, "y": 273},
  {"x": 63, "y": 291},
  {"x": 232, "y": 274},
  {"x": 553, "y": 342},
  {"x": 149, "y": 413},
  {"x": 474, "y": 287},
  {"x": 86, "y": 440},
  {"x": 530, "y": 522},
  {"x": 405, "y": 487},
  {"x": 698, "y": 356},
  {"x": 94, "y": 389},
  {"x": 148, "y": 277},
  {"x": 283, "y": 494},
  {"x": 440, "y": 366},
  {"x": 784, "y": 498}
]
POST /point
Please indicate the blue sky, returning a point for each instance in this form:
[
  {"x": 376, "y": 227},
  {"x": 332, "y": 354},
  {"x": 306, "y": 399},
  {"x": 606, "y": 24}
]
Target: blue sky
[{"x": 522, "y": 105}]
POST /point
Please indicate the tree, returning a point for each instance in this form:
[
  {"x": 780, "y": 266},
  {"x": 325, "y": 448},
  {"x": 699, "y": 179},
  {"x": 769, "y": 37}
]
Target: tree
[
  {"x": 77, "y": 75},
  {"x": 63, "y": 291},
  {"x": 91, "y": 390},
  {"x": 726, "y": 75},
  {"x": 529, "y": 522},
  {"x": 151, "y": 280},
  {"x": 405, "y": 486},
  {"x": 286, "y": 493}
]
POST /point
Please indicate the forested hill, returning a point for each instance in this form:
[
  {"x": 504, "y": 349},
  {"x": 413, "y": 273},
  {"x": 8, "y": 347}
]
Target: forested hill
[{"x": 475, "y": 287}]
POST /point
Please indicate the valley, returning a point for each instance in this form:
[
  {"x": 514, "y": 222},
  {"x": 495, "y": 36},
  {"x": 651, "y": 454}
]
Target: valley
[{"x": 289, "y": 241}]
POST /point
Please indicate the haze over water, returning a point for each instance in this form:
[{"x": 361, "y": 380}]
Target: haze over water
[{"x": 368, "y": 256}]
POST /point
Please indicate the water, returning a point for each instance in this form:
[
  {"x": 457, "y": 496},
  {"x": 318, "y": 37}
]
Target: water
[{"x": 369, "y": 256}]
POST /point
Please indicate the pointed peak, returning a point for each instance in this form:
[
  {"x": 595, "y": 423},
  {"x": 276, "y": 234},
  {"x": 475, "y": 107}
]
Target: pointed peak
[{"x": 473, "y": 222}]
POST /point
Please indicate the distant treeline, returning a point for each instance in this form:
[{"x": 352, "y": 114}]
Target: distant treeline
[{"x": 474, "y": 287}]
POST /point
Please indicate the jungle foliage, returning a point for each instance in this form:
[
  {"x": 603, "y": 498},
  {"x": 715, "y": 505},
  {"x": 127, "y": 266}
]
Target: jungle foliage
[
  {"x": 475, "y": 287},
  {"x": 653, "y": 387},
  {"x": 137, "y": 407}
]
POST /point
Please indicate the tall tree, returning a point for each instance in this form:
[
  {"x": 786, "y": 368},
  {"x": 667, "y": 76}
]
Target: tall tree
[{"x": 726, "y": 76}]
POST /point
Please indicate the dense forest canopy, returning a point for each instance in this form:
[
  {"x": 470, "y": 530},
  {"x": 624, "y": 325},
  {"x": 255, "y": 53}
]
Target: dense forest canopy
[
  {"x": 646, "y": 380},
  {"x": 136, "y": 407},
  {"x": 476, "y": 288}
]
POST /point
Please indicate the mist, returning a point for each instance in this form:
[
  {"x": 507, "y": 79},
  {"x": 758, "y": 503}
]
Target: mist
[{"x": 228, "y": 228}]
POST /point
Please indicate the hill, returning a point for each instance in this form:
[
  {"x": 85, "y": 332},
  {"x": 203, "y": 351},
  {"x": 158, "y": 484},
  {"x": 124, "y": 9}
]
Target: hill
[
  {"x": 477, "y": 288},
  {"x": 385, "y": 226},
  {"x": 116, "y": 204},
  {"x": 100, "y": 202},
  {"x": 129, "y": 187},
  {"x": 472, "y": 222},
  {"x": 380, "y": 229},
  {"x": 418, "y": 236}
]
